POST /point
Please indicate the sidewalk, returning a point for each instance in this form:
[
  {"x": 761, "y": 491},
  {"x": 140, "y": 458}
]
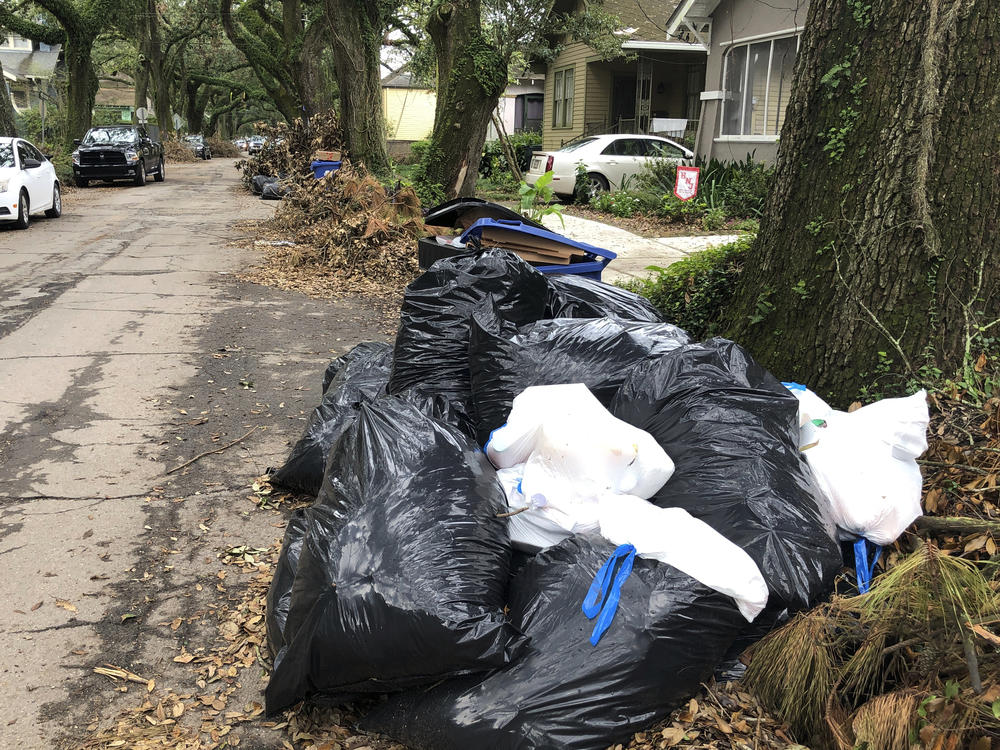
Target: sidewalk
[{"x": 635, "y": 253}]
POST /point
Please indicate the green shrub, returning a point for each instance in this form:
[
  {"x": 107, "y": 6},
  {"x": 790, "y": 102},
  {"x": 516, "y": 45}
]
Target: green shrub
[
  {"x": 693, "y": 292},
  {"x": 673, "y": 208},
  {"x": 714, "y": 219},
  {"x": 418, "y": 149},
  {"x": 745, "y": 192},
  {"x": 623, "y": 204},
  {"x": 494, "y": 163}
]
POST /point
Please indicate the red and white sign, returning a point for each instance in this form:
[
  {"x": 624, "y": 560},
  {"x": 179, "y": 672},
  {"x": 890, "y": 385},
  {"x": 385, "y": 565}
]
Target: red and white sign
[{"x": 686, "y": 186}]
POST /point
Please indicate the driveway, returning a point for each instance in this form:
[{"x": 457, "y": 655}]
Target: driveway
[{"x": 128, "y": 348}]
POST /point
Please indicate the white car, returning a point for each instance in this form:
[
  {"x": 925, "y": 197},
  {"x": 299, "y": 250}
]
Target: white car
[
  {"x": 28, "y": 183},
  {"x": 609, "y": 160}
]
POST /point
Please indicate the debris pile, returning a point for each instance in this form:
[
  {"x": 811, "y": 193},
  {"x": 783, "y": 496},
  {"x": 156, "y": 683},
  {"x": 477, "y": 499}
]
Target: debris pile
[
  {"x": 289, "y": 149},
  {"x": 175, "y": 151},
  {"x": 681, "y": 523},
  {"x": 348, "y": 223}
]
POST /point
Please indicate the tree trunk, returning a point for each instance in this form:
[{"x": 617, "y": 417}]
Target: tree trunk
[
  {"x": 472, "y": 75},
  {"x": 153, "y": 49},
  {"x": 8, "y": 127},
  {"x": 356, "y": 30},
  {"x": 876, "y": 253},
  {"x": 81, "y": 84}
]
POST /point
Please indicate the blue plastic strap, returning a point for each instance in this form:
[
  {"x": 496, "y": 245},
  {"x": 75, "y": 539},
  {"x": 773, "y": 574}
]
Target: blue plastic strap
[
  {"x": 862, "y": 567},
  {"x": 604, "y": 594},
  {"x": 794, "y": 386}
]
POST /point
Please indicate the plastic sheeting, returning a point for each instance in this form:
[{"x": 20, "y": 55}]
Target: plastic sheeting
[
  {"x": 599, "y": 353},
  {"x": 575, "y": 296},
  {"x": 732, "y": 431},
  {"x": 357, "y": 377},
  {"x": 432, "y": 346},
  {"x": 667, "y": 635},
  {"x": 403, "y": 568}
]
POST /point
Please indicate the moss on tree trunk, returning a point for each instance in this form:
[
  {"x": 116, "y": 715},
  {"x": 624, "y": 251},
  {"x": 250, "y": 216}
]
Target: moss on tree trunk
[
  {"x": 472, "y": 75},
  {"x": 81, "y": 83},
  {"x": 877, "y": 253}
]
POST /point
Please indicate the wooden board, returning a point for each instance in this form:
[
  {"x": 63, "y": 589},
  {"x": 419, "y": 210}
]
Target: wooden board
[
  {"x": 326, "y": 156},
  {"x": 537, "y": 244}
]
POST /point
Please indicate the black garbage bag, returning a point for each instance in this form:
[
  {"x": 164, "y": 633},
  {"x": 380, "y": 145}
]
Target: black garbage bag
[
  {"x": 464, "y": 212},
  {"x": 597, "y": 352},
  {"x": 279, "y": 593},
  {"x": 575, "y": 296},
  {"x": 366, "y": 351},
  {"x": 360, "y": 375},
  {"x": 403, "y": 570},
  {"x": 432, "y": 346},
  {"x": 566, "y": 694},
  {"x": 257, "y": 182},
  {"x": 274, "y": 191},
  {"x": 732, "y": 431}
]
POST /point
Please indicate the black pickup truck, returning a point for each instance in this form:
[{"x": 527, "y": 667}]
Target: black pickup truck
[{"x": 118, "y": 152}]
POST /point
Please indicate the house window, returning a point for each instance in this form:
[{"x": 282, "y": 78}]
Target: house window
[
  {"x": 20, "y": 98},
  {"x": 562, "y": 98},
  {"x": 757, "y": 78}
]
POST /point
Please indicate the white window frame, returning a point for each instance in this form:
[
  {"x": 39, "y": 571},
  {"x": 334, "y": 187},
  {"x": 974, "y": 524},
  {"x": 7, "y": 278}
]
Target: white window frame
[{"x": 747, "y": 42}]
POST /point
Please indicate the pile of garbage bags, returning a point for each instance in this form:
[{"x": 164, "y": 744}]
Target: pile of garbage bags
[{"x": 655, "y": 486}]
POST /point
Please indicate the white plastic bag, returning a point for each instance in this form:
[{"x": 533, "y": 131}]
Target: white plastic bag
[
  {"x": 542, "y": 526},
  {"x": 675, "y": 537},
  {"x": 571, "y": 447},
  {"x": 865, "y": 463}
]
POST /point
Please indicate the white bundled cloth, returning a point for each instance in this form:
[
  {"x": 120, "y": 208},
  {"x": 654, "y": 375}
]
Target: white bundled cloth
[
  {"x": 569, "y": 467},
  {"x": 865, "y": 461}
]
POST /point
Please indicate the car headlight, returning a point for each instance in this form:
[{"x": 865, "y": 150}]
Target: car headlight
[
  {"x": 131, "y": 155},
  {"x": 3, "y": 185},
  {"x": 76, "y": 158}
]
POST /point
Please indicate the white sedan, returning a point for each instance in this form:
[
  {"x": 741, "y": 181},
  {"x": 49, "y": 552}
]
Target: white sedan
[
  {"x": 28, "y": 183},
  {"x": 609, "y": 160}
]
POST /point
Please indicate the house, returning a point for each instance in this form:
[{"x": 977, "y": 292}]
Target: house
[
  {"x": 408, "y": 105},
  {"x": 751, "y": 48},
  {"x": 521, "y": 105},
  {"x": 115, "y": 102},
  {"x": 28, "y": 70},
  {"x": 654, "y": 88}
]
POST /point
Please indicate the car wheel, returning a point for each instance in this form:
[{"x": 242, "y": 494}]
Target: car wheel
[
  {"x": 81, "y": 181},
  {"x": 596, "y": 184},
  {"x": 160, "y": 175},
  {"x": 140, "y": 174},
  {"x": 56, "y": 211},
  {"x": 23, "y": 211}
]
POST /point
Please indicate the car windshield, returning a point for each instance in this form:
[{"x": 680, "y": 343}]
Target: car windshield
[
  {"x": 193, "y": 138},
  {"x": 110, "y": 135},
  {"x": 578, "y": 144},
  {"x": 6, "y": 155}
]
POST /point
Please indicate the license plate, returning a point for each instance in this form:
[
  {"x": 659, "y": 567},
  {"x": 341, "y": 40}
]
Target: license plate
[{"x": 537, "y": 163}]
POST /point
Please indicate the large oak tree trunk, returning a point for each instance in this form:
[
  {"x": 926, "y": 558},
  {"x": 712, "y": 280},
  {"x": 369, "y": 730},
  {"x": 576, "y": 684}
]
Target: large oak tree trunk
[
  {"x": 472, "y": 75},
  {"x": 877, "y": 253},
  {"x": 356, "y": 29},
  {"x": 152, "y": 48},
  {"x": 81, "y": 84}
]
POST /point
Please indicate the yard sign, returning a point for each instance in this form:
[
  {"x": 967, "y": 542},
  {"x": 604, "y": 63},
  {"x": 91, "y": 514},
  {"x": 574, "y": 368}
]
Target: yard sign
[{"x": 686, "y": 186}]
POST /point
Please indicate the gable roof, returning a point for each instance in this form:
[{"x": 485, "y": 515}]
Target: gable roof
[
  {"x": 690, "y": 8},
  {"x": 35, "y": 64}
]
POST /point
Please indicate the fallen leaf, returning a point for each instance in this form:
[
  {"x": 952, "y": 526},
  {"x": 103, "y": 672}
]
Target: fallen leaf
[
  {"x": 36, "y": 606},
  {"x": 65, "y": 605}
]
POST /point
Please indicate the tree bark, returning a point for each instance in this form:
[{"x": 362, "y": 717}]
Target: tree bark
[
  {"x": 472, "y": 75},
  {"x": 356, "y": 29},
  {"x": 153, "y": 50},
  {"x": 8, "y": 127},
  {"x": 81, "y": 82},
  {"x": 876, "y": 252}
]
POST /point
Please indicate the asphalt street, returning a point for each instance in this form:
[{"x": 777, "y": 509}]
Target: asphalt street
[{"x": 127, "y": 347}]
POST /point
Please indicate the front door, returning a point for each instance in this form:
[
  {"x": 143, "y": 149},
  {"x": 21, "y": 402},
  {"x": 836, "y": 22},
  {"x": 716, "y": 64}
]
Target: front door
[{"x": 623, "y": 102}]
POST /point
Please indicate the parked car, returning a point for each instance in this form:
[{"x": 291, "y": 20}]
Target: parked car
[
  {"x": 241, "y": 144},
  {"x": 196, "y": 143},
  {"x": 118, "y": 152},
  {"x": 256, "y": 144},
  {"x": 609, "y": 160},
  {"x": 28, "y": 183}
]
